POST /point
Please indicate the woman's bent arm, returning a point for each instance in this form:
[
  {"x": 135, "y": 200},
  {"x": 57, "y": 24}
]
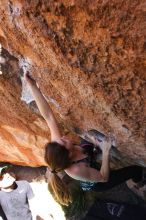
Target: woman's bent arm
[{"x": 105, "y": 167}]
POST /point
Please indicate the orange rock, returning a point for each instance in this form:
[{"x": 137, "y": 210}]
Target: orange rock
[{"x": 89, "y": 61}]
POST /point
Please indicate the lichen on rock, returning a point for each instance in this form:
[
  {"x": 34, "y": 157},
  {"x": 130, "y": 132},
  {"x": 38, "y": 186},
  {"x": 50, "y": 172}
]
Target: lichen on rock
[{"x": 89, "y": 60}]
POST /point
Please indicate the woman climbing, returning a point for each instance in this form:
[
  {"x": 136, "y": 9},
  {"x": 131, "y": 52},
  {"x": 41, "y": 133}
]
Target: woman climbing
[{"x": 78, "y": 161}]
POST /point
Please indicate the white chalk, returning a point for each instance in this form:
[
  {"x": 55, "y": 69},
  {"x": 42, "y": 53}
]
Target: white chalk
[{"x": 26, "y": 95}]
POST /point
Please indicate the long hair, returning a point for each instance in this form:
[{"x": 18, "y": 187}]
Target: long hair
[{"x": 57, "y": 157}]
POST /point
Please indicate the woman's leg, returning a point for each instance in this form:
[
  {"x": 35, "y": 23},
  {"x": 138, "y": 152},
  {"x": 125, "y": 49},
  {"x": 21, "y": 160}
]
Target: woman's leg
[{"x": 119, "y": 176}]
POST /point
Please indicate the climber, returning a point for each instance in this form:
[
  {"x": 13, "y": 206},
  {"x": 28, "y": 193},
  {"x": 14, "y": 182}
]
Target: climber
[
  {"x": 78, "y": 161},
  {"x": 15, "y": 196}
]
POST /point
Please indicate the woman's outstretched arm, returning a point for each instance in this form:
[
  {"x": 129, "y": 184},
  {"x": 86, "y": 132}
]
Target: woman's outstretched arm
[{"x": 44, "y": 108}]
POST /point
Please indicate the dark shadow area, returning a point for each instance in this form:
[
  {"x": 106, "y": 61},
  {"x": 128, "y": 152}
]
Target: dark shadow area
[{"x": 109, "y": 210}]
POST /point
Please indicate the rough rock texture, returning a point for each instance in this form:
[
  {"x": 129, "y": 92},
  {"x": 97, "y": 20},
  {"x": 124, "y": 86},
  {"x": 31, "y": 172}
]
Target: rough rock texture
[{"x": 89, "y": 59}]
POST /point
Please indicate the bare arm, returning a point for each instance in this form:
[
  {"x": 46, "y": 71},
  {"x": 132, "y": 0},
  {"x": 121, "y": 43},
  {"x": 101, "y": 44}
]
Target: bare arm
[
  {"x": 105, "y": 166},
  {"x": 84, "y": 173},
  {"x": 44, "y": 108}
]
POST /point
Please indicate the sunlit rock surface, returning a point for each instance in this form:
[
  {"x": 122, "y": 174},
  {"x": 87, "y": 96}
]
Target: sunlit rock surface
[{"x": 89, "y": 60}]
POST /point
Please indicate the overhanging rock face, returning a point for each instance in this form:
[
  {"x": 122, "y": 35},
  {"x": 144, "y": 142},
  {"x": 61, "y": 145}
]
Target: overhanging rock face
[{"x": 89, "y": 60}]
